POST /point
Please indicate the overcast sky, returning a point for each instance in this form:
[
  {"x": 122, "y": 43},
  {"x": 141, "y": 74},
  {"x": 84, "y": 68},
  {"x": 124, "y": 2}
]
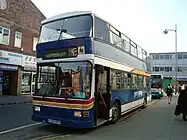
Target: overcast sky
[{"x": 141, "y": 20}]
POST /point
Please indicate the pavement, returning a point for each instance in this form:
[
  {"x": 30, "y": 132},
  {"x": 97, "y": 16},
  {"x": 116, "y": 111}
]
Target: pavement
[{"x": 8, "y": 100}]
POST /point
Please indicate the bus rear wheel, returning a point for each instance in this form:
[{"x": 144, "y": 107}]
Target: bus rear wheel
[{"x": 116, "y": 112}]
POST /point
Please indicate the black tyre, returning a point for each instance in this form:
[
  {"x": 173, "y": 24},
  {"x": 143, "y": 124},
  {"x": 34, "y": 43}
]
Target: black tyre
[{"x": 116, "y": 112}]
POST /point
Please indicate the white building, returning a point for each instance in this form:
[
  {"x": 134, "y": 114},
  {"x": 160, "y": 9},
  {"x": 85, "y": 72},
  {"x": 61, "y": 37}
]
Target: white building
[{"x": 164, "y": 63}]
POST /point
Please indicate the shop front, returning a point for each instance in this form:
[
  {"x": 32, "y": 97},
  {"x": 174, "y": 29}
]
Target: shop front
[
  {"x": 10, "y": 64},
  {"x": 28, "y": 74}
]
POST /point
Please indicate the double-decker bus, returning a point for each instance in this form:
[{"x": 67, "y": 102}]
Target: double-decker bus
[
  {"x": 88, "y": 72},
  {"x": 157, "y": 85}
]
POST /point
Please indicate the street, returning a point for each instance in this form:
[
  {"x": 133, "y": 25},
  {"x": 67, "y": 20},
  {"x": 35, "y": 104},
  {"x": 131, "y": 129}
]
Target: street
[
  {"x": 13, "y": 116},
  {"x": 156, "y": 122}
]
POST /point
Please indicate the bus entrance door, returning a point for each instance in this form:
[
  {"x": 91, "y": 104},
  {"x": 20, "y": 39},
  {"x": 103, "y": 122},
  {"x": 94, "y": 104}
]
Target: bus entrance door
[{"x": 102, "y": 94}]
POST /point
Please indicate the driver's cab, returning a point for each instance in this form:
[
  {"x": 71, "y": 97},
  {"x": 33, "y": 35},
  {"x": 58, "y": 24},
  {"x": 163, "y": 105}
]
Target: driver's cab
[{"x": 70, "y": 85}]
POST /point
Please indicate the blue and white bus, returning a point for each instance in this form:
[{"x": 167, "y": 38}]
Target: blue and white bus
[
  {"x": 88, "y": 72},
  {"x": 157, "y": 85}
]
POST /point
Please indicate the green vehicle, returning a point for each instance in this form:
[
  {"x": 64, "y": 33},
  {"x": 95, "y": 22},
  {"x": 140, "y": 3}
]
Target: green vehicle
[{"x": 166, "y": 82}]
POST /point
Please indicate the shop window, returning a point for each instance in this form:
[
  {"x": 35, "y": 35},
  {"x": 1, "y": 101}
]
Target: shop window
[
  {"x": 18, "y": 39},
  {"x": 26, "y": 82},
  {"x": 4, "y": 35},
  {"x": 35, "y": 41}
]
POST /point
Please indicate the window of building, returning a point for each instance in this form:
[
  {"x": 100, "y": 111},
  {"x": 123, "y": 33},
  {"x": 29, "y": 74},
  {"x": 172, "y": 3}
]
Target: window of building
[
  {"x": 161, "y": 56},
  {"x": 161, "y": 68},
  {"x": 179, "y": 69},
  {"x": 170, "y": 56},
  {"x": 4, "y": 35},
  {"x": 156, "y": 69},
  {"x": 101, "y": 30},
  {"x": 166, "y": 69},
  {"x": 166, "y": 56},
  {"x": 179, "y": 56},
  {"x": 18, "y": 39},
  {"x": 170, "y": 68},
  {"x": 184, "y": 69},
  {"x": 35, "y": 41},
  {"x": 156, "y": 56},
  {"x": 184, "y": 56}
]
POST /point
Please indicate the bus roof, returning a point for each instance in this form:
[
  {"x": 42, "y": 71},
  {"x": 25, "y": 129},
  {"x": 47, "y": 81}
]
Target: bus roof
[
  {"x": 64, "y": 15},
  {"x": 78, "y": 13}
]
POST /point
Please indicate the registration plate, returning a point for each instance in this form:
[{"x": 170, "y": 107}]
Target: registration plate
[{"x": 54, "y": 121}]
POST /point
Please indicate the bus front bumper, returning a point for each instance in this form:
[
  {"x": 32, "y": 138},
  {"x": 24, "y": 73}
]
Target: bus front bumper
[{"x": 65, "y": 123}]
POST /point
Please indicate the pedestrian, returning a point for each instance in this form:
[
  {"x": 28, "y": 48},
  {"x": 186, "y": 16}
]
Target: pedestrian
[
  {"x": 182, "y": 102},
  {"x": 169, "y": 92}
]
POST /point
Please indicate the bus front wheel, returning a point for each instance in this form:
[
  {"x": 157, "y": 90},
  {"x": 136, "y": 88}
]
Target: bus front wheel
[{"x": 116, "y": 112}]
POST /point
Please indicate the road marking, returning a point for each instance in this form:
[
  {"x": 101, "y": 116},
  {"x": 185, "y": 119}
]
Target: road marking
[
  {"x": 61, "y": 135},
  {"x": 18, "y": 128}
]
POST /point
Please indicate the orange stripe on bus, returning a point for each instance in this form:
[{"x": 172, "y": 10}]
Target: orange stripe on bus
[{"x": 63, "y": 105}]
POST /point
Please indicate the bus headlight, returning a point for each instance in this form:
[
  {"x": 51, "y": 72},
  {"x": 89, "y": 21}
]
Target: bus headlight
[
  {"x": 37, "y": 108},
  {"x": 77, "y": 114}
]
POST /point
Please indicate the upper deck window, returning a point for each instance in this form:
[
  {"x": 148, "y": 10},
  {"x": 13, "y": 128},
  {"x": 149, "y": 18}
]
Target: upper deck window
[
  {"x": 101, "y": 29},
  {"x": 66, "y": 28}
]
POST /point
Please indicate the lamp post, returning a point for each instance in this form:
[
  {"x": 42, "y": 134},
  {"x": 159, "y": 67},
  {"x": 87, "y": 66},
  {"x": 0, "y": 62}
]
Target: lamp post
[{"x": 166, "y": 32}]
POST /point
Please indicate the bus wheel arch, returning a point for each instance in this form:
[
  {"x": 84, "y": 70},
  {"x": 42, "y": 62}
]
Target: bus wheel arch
[{"x": 116, "y": 110}]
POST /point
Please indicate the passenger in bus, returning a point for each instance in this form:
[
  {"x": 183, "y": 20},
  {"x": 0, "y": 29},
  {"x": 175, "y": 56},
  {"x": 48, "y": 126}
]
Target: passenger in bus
[
  {"x": 78, "y": 94},
  {"x": 87, "y": 91}
]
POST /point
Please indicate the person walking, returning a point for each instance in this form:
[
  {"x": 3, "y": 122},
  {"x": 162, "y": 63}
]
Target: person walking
[
  {"x": 182, "y": 102},
  {"x": 169, "y": 92}
]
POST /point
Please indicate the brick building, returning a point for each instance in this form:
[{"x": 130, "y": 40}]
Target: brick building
[{"x": 19, "y": 31}]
